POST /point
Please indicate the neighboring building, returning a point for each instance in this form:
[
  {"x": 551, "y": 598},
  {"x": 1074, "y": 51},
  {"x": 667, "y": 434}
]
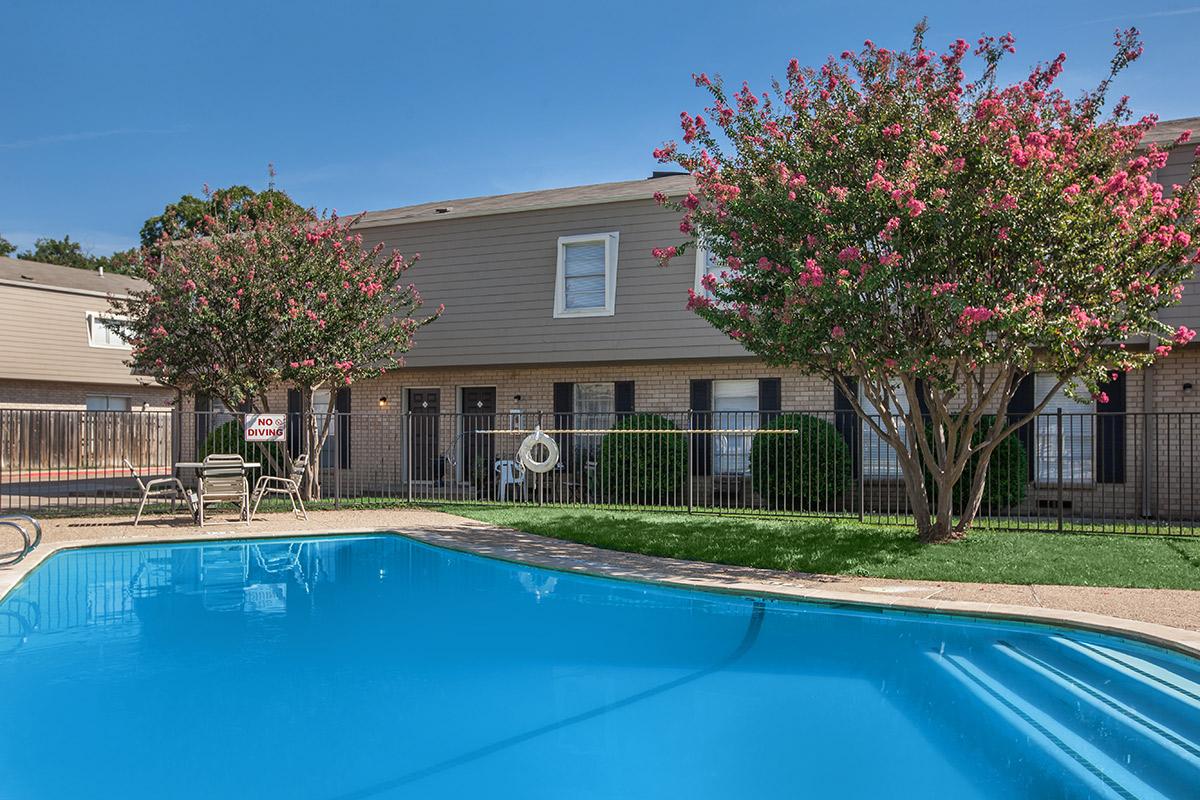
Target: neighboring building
[{"x": 56, "y": 353}]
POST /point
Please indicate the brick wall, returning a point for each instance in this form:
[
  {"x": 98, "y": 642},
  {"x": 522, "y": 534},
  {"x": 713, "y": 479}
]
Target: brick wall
[{"x": 55, "y": 395}]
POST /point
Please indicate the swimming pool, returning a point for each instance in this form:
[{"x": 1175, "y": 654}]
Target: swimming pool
[{"x": 377, "y": 666}]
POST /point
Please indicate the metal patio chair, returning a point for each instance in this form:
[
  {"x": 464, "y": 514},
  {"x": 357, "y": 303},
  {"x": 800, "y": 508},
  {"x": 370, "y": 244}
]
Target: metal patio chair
[
  {"x": 171, "y": 489},
  {"x": 290, "y": 486},
  {"x": 223, "y": 480}
]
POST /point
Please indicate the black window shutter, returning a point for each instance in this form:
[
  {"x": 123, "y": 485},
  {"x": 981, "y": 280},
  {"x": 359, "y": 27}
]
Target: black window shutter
[
  {"x": 701, "y": 402},
  {"x": 770, "y": 399},
  {"x": 203, "y": 411},
  {"x": 921, "y": 404},
  {"x": 295, "y": 431},
  {"x": 1110, "y": 432},
  {"x": 342, "y": 405},
  {"x": 564, "y": 418},
  {"x": 623, "y": 398},
  {"x": 847, "y": 423},
  {"x": 1021, "y": 404}
]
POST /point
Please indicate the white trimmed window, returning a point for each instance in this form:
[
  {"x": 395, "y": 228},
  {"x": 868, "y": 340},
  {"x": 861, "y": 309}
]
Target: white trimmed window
[
  {"x": 735, "y": 407},
  {"x": 108, "y": 402},
  {"x": 879, "y": 459},
  {"x": 1079, "y": 435},
  {"x": 586, "y": 282},
  {"x": 100, "y": 335},
  {"x": 707, "y": 264}
]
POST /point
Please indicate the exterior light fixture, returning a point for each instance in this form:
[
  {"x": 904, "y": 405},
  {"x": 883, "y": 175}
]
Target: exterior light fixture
[{"x": 383, "y": 402}]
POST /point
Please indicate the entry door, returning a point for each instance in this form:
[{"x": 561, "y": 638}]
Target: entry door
[
  {"x": 425, "y": 405},
  {"x": 479, "y": 414}
]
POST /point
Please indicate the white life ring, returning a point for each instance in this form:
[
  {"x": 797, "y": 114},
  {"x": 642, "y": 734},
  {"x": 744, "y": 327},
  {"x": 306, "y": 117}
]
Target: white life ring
[{"x": 525, "y": 452}]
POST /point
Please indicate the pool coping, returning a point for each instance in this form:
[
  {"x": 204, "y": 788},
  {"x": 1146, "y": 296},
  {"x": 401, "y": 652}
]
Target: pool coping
[{"x": 529, "y": 549}]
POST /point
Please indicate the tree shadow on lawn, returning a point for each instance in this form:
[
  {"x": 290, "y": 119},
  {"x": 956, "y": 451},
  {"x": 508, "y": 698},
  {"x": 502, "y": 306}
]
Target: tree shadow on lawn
[{"x": 819, "y": 546}]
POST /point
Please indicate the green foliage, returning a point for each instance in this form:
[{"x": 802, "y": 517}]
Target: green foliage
[
  {"x": 6, "y": 247},
  {"x": 642, "y": 467},
  {"x": 807, "y": 469},
  {"x": 185, "y": 217},
  {"x": 227, "y": 438},
  {"x": 67, "y": 253}
]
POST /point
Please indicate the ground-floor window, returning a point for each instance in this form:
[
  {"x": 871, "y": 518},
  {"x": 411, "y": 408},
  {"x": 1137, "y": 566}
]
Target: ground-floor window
[
  {"x": 595, "y": 408},
  {"x": 1078, "y": 435},
  {"x": 107, "y": 402},
  {"x": 879, "y": 459},
  {"x": 322, "y": 402},
  {"x": 735, "y": 407}
]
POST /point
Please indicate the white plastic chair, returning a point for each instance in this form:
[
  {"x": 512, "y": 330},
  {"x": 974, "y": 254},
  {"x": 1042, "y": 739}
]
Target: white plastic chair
[{"x": 511, "y": 474}]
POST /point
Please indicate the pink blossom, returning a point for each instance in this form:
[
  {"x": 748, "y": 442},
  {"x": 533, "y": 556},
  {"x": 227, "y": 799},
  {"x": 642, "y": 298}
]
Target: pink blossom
[
  {"x": 849, "y": 254},
  {"x": 838, "y": 332},
  {"x": 1184, "y": 335},
  {"x": 915, "y": 207}
]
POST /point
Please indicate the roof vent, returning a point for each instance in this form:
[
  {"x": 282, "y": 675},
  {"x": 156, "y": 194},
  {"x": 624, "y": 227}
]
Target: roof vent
[
  {"x": 26, "y": 277},
  {"x": 443, "y": 210},
  {"x": 664, "y": 174}
]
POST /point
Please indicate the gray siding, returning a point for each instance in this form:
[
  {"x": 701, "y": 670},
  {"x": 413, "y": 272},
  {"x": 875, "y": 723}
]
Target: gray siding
[
  {"x": 1177, "y": 171},
  {"x": 496, "y": 275}
]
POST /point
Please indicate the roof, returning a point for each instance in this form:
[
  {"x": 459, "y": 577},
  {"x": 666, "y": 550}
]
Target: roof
[
  {"x": 18, "y": 270},
  {"x": 530, "y": 201},
  {"x": 1164, "y": 133},
  {"x": 1167, "y": 131}
]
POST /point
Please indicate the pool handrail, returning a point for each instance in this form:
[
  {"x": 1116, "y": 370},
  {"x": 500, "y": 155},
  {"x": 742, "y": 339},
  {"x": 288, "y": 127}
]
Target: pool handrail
[{"x": 17, "y": 523}]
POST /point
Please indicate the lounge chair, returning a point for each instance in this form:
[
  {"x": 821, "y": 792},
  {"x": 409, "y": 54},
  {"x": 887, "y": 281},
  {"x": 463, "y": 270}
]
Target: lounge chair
[
  {"x": 158, "y": 489},
  {"x": 290, "y": 486},
  {"x": 223, "y": 480}
]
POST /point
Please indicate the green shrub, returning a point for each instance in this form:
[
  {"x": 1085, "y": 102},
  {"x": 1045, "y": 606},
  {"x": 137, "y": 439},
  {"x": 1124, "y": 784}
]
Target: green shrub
[
  {"x": 648, "y": 468},
  {"x": 228, "y": 438},
  {"x": 807, "y": 469}
]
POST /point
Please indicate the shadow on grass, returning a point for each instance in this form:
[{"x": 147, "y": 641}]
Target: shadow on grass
[{"x": 794, "y": 545}]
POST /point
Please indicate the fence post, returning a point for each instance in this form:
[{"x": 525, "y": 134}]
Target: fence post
[
  {"x": 408, "y": 455},
  {"x": 690, "y": 458},
  {"x": 856, "y": 440},
  {"x": 541, "y": 486},
  {"x": 1058, "y": 443},
  {"x": 337, "y": 460}
]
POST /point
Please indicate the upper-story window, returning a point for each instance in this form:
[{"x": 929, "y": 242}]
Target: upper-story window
[
  {"x": 101, "y": 335},
  {"x": 586, "y": 284},
  {"x": 707, "y": 264}
]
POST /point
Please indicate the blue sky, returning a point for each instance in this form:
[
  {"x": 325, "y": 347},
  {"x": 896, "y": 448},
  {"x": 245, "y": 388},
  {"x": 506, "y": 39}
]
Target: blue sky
[{"x": 111, "y": 110}]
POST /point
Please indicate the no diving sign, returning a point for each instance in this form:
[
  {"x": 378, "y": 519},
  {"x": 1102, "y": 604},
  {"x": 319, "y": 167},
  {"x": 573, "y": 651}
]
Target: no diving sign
[{"x": 265, "y": 427}]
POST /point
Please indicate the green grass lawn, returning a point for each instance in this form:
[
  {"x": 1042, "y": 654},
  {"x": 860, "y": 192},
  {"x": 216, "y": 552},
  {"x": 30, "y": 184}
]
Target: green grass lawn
[{"x": 852, "y": 548}]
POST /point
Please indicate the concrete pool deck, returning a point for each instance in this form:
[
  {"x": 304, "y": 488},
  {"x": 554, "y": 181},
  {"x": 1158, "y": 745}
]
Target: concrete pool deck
[{"x": 1169, "y": 617}]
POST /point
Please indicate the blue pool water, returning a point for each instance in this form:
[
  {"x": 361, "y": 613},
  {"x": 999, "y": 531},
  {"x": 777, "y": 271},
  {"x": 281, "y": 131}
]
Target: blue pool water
[{"x": 378, "y": 667}]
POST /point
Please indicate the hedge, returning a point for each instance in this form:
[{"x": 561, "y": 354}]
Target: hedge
[
  {"x": 810, "y": 468},
  {"x": 648, "y": 468}
]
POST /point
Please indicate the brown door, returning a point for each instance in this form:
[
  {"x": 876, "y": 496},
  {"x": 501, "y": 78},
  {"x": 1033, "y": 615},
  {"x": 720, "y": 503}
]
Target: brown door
[
  {"x": 424, "y": 406},
  {"x": 479, "y": 414}
]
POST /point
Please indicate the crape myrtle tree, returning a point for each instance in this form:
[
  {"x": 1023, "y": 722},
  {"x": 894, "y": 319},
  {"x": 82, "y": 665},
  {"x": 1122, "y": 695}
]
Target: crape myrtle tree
[
  {"x": 265, "y": 297},
  {"x": 929, "y": 240}
]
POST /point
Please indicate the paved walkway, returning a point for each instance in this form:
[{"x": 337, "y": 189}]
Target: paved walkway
[{"x": 1169, "y": 616}]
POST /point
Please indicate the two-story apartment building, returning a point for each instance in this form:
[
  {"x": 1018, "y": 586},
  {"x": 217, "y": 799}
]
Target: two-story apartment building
[
  {"x": 555, "y": 304},
  {"x": 56, "y": 352}
]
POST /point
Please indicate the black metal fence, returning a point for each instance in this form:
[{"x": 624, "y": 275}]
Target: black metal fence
[{"x": 1107, "y": 472}]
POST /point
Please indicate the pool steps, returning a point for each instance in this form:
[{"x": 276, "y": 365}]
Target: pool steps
[{"x": 1125, "y": 726}]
